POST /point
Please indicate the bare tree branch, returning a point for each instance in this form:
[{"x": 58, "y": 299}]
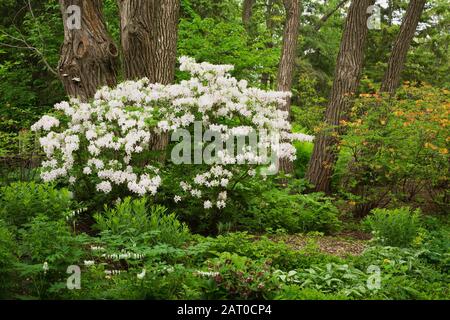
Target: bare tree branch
[
  {"x": 26, "y": 45},
  {"x": 330, "y": 14}
]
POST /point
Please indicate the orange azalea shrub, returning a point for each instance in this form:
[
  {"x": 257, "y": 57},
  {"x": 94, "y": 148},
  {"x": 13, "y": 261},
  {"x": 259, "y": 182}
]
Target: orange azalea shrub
[{"x": 396, "y": 150}]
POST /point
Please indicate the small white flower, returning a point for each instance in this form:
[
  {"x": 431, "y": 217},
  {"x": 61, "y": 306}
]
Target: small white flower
[
  {"x": 207, "y": 204},
  {"x": 221, "y": 204},
  {"x": 104, "y": 186},
  {"x": 177, "y": 199},
  {"x": 45, "y": 267}
]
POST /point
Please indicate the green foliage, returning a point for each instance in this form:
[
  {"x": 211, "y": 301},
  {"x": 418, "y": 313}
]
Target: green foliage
[
  {"x": 226, "y": 42},
  {"x": 238, "y": 277},
  {"x": 334, "y": 278},
  {"x": 21, "y": 201},
  {"x": 46, "y": 249},
  {"x": 395, "y": 227},
  {"x": 397, "y": 150},
  {"x": 8, "y": 257},
  {"x": 132, "y": 218},
  {"x": 295, "y": 292},
  {"x": 45, "y": 240},
  {"x": 241, "y": 243},
  {"x": 277, "y": 209},
  {"x": 405, "y": 273}
]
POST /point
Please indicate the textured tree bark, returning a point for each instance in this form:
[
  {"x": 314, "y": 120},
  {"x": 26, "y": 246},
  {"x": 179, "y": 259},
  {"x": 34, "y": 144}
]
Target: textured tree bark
[
  {"x": 397, "y": 59},
  {"x": 346, "y": 81},
  {"x": 247, "y": 12},
  {"x": 265, "y": 77},
  {"x": 136, "y": 37},
  {"x": 88, "y": 55},
  {"x": 289, "y": 50},
  {"x": 149, "y": 33},
  {"x": 287, "y": 63}
]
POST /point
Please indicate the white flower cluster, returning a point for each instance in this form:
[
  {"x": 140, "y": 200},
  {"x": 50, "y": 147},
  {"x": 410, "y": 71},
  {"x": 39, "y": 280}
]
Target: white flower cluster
[
  {"x": 45, "y": 123},
  {"x": 108, "y": 138}
]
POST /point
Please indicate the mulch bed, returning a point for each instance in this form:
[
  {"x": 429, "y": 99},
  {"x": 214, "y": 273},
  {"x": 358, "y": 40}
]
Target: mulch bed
[{"x": 342, "y": 245}]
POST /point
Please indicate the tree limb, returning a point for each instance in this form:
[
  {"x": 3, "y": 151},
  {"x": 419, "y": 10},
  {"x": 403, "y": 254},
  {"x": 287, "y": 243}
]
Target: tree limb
[{"x": 330, "y": 14}]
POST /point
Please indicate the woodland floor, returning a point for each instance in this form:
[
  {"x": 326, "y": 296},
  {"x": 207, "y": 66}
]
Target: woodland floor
[{"x": 341, "y": 245}]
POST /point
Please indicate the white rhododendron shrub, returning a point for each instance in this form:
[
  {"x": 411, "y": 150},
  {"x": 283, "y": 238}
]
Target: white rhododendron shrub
[{"x": 107, "y": 141}]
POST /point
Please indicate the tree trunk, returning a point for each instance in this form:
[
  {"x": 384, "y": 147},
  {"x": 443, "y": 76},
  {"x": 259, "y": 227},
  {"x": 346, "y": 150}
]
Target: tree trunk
[
  {"x": 346, "y": 81},
  {"x": 289, "y": 50},
  {"x": 149, "y": 31},
  {"x": 397, "y": 59},
  {"x": 88, "y": 55},
  {"x": 247, "y": 11},
  {"x": 265, "y": 77},
  {"x": 136, "y": 37},
  {"x": 287, "y": 63}
]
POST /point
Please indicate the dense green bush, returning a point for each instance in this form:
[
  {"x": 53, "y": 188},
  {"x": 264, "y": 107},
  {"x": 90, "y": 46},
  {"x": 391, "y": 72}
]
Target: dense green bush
[
  {"x": 396, "y": 151},
  {"x": 21, "y": 201},
  {"x": 405, "y": 273},
  {"x": 277, "y": 209},
  {"x": 8, "y": 256},
  {"x": 46, "y": 249},
  {"x": 331, "y": 278},
  {"x": 238, "y": 277},
  {"x": 135, "y": 217},
  {"x": 395, "y": 227}
]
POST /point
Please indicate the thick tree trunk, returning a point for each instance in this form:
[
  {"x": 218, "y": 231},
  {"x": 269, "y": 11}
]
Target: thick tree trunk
[
  {"x": 136, "y": 38},
  {"x": 149, "y": 31},
  {"x": 166, "y": 15},
  {"x": 88, "y": 56},
  {"x": 346, "y": 81},
  {"x": 289, "y": 50},
  {"x": 397, "y": 59},
  {"x": 247, "y": 11},
  {"x": 287, "y": 63}
]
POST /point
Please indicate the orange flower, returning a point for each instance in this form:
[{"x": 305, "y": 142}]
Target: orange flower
[{"x": 443, "y": 151}]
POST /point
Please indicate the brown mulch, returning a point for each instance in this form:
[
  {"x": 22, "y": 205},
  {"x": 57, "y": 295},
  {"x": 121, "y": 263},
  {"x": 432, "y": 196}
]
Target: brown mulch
[{"x": 342, "y": 245}]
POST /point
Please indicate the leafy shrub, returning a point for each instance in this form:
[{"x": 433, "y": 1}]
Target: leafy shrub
[
  {"x": 156, "y": 281},
  {"x": 21, "y": 201},
  {"x": 238, "y": 277},
  {"x": 52, "y": 241},
  {"x": 397, "y": 150},
  {"x": 277, "y": 209},
  {"x": 133, "y": 112},
  {"x": 47, "y": 248},
  {"x": 8, "y": 256},
  {"x": 395, "y": 227},
  {"x": 256, "y": 247},
  {"x": 340, "y": 279},
  {"x": 134, "y": 218},
  {"x": 405, "y": 273}
]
